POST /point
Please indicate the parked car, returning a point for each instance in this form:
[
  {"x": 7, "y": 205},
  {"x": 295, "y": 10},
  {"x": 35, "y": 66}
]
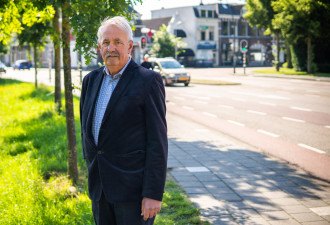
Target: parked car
[
  {"x": 3, "y": 67},
  {"x": 22, "y": 64},
  {"x": 170, "y": 70}
]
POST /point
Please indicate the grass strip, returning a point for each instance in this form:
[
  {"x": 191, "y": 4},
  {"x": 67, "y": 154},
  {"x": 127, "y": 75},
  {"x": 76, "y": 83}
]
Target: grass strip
[
  {"x": 33, "y": 149},
  {"x": 288, "y": 71},
  {"x": 213, "y": 82}
]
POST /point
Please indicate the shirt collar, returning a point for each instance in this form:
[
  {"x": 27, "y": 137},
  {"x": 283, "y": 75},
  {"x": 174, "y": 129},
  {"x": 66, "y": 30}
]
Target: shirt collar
[{"x": 106, "y": 71}]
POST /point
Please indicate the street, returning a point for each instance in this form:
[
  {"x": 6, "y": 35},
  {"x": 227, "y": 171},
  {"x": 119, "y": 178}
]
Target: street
[{"x": 287, "y": 118}]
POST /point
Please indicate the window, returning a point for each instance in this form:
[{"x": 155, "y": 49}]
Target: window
[
  {"x": 209, "y": 14},
  {"x": 203, "y": 35},
  {"x": 203, "y": 13},
  {"x": 211, "y": 36},
  {"x": 253, "y": 31},
  {"x": 225, "y": 28},
  {"x": 232, "y": 28}
]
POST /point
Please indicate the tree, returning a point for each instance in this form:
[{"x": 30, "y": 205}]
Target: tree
[
  {"x": 298, "y": 22},
  {"x": 165, "y": 43},
  {"x": 35, "y": 36},
  {"x": 260, "y": 14}
]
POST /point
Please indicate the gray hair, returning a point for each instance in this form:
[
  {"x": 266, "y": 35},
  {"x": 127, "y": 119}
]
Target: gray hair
[{"x": 118, "y": 21}]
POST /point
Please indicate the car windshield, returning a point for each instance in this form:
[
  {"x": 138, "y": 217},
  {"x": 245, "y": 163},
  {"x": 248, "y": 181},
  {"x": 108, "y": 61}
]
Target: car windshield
[{"x": 170, "y": 64}]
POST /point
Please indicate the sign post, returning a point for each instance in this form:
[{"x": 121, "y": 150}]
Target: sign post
[{"x": 244, "y": 49}]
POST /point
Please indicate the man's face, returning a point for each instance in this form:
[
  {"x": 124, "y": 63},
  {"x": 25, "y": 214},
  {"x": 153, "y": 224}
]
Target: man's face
[{"x": 115, "y": 48}]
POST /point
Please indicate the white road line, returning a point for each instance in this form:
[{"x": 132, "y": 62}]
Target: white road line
[
  {"x": 202, "y": 130},
  {"x": 239, "y": 99},
  {"x": 312, "y": 148},
  {"x": 327, "y": 126},
  {"x": 209, "y": 114},
  {"x": 179, "y": 98},
  {"x": 256, "y": 112},
  {"x": 236, "y": 123},
  {"x": 312, "y": 95},
  {"x": 267, "y": 103},
  {"x": 171, "y": 103},
  {"x": 201, "y": 102},
  {"x": 302, "y": 109},
  {"x": 226, "y": 106},
  {"x": 315, "y": 91},
  {"x": 187, "y": 107},
  {"x": 204, "y": 98},
  {"x": 268, "y": 133},
  {"x": 292, "y": 119}
]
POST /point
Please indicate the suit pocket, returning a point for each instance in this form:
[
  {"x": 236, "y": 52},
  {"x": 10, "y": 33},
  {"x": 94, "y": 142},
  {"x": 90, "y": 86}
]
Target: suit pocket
[{"x": 132, "y": 162}]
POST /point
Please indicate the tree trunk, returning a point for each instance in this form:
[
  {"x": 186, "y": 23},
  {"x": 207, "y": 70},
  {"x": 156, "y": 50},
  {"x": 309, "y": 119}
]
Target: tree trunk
[
  {"x": 57, "y": 47},
  {"x": 35, "y": 56},
  {"x": 288, "y": 55},
  {"x": 70, "y": 122},
  {"x": 277, "y": 51},
  {"x": 309, "y": 52}
]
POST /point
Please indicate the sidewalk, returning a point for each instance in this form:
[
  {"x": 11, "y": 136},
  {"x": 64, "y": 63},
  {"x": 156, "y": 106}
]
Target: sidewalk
[{"x": 234, "y": 184}]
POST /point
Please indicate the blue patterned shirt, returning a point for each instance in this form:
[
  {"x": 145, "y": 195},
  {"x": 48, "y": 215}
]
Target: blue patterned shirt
[{"x": 108, "y": 85}]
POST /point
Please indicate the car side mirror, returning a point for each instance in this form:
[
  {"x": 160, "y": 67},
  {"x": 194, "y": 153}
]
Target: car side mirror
[{"x": 156, "y": 68}]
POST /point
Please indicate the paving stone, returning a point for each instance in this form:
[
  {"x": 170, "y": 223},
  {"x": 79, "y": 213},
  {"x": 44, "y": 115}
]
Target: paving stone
[
  {"x": 236, "y": 205},
  {"x": 252, "y": 221},
  {"x": 227, "y": 197},
  {"x": 285, "y": 201},
  {"x": 186, "y": 184},
  {"x": 244, "y": 213},
  {"x": 196, "y": 190},
  {"x": 220, "y": 190},
  {"x": 284, "y": 222},
  {"x": 322, "y": 211},
  {"x": 261, "y": 206},
  {"x": 220, "y": 220},
  {"x": 314, "y": 203},
  {"x": 204, "y": 201},
  {"x": 275, "y": 215},
  {"x": 295, "y": 209},
  {"x": 306, "y": 217},
  {"x": 276, "y": 194},
  {"x": 214, "y": 184},
  {"x": 316, "y": 223}
]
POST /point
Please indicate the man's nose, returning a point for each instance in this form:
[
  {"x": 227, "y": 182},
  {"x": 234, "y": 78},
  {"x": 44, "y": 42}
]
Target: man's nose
[{"x": 110, "y": 46}]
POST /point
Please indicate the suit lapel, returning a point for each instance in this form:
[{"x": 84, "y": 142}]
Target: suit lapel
[
  {"x": 120, "y": 88},
  {"x": 96, "y": 86}
]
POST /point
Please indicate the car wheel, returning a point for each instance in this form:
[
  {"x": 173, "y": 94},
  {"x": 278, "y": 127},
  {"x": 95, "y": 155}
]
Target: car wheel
[
  {"x": 164, "y": 81},
  {"x": 186, "y": 84}
]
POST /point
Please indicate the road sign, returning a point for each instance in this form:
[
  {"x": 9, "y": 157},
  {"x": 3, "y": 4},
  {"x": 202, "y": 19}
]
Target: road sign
[
  {"x": 143, "y": 42},
  {"x": 243, "y": 46}
]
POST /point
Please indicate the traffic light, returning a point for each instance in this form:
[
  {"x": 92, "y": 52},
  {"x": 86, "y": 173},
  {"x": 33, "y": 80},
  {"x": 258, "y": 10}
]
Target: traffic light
[
  {"x": 243, "y": 46},
  {"x": 143, "y": 42}
]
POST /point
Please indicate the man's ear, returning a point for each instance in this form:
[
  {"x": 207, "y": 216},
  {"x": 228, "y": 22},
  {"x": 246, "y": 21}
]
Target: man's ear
[
  {"x": 99, "y": 45},
  {"x": 130, "y": 46}
]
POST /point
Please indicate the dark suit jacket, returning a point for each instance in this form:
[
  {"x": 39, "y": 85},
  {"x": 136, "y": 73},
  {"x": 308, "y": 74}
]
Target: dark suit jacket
[{"x": 130, "y": 160}]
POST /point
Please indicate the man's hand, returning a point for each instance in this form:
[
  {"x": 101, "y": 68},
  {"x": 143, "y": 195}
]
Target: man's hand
[{"x": 150, "y": 207}]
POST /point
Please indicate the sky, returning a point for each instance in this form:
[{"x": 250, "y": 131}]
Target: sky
[{"x": 148, "y": 5}]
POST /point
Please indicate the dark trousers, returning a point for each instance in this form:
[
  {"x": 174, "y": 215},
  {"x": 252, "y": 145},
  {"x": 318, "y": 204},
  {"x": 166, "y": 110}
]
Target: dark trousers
[{"x": 121, "y": 213}]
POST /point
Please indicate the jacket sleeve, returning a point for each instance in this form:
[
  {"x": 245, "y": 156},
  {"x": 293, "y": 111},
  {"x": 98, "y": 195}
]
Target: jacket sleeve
[
  {"x": 157, "y": 145},
  {"x": 82, "y": 99}
]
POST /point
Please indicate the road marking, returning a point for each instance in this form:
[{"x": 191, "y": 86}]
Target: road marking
[
  {"x": 316, "y": 91},
  {"x": 201, "y": 102},
  {"x": 171, "y": 103},
  {"x": 209, "y": 114},
  {"x": 204, "y": 98},
  {"x": 239, "y": 99},
  {"x": 292, "y": 119},
  {"x": 312, "y": 148},
  {"x": 267, "y": 103},
  {"x": 226, "y": 106},
  {"x": 312, "y": 95},
  {"x": 327, "y": 126},
  {"x": 236, "y": 123},
  {"x": 202, "y": 130},
  {"x": 179, "y": 98},
  {"x": 256, "y": 112},
  {"x": 268, "y": 133},
  {"x": 187, "y": 107},
  {"x": 261, "y": 96},
  {"x": 302, "y": 109}
]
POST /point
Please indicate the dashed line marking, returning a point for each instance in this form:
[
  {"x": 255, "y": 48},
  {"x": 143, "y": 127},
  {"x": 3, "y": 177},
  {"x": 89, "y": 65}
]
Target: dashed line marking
[
  {"x": 187, "y": 107},
  {"x": 236, "y": 123},
  {"x": 327, "y": 126},
  {"x": 209, "y": 114},
  {"x": 292, "y": 119},
  {"x": 179, "y": 98},
  {"x": 171, "y": 103},
  {"x": 239, "y": 99},
  {"x": 201, "y": 102},
  {"x": 268, "y": 133},
  {"x": 301, "y": 109},
  {"x": 204, "y": 98},
  {"x": 256, "y": 112},
  {"x": 226, "y": 106},
  {"x": 267, "y": 103},
  {"x": 312, "y": 148},
  {"x": 315, "y": 91},
  {"x": 312, "y": 95}
]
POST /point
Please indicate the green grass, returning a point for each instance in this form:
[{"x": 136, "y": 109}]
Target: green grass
[
  {"x": 287, "y": 71},
  {"x": 33, "y": 149}
]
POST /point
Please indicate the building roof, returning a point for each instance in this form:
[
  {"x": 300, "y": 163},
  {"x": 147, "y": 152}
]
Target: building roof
[
  {"x": 229, "y": 9},
  {"x": 156, "y": 22}
]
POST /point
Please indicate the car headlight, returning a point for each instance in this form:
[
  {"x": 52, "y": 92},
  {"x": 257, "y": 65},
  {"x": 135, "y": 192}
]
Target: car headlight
[{"x": 171, "y": 75}]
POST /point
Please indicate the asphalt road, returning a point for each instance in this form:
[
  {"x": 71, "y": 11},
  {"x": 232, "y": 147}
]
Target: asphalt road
[{"x": 288, "y": 118}]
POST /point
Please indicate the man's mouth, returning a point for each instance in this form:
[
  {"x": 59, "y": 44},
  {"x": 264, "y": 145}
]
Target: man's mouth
[{"x": 111, "y": 54}]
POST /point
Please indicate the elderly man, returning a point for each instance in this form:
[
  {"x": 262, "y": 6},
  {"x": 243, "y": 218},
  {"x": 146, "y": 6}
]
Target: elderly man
[{"x": 123, "y": 132}]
